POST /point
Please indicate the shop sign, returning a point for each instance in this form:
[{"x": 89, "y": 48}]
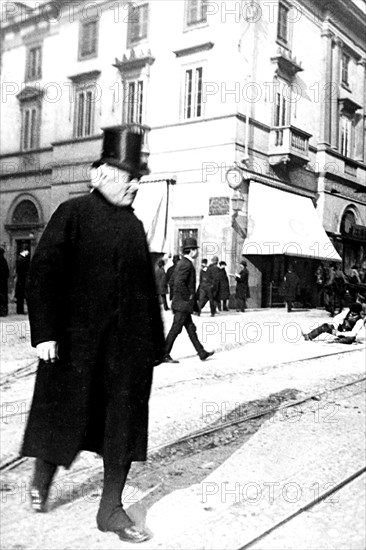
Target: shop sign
[
  {"x": 357, "y": 231},
  {"x": 219, "y": 206}
]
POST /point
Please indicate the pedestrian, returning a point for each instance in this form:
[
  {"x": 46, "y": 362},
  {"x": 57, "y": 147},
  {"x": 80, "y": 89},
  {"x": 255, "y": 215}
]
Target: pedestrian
[
  {"x": 319, "y": 285},
  {"x": 224, "y": 288},
  {"x": 209, "y": 290},
  {"x": 183, "y": 302},
  {"x": 4, "y": 276},
  {"x": 329, "y": 293},
  {"x": 339, "y": 283},
  {"x": 22, "y": 267},
  {"x": 170, "y": 276},
  {"x": 242, "y": 287},
  {"x": 95, "y": 322},
  {"x": 346, "y": 326},
  {"x": 354, "y": 280},
  {"x": 161, "y": 284},
  {"x": 291, "y": 287},
  {"x": 203, "y": 287}
]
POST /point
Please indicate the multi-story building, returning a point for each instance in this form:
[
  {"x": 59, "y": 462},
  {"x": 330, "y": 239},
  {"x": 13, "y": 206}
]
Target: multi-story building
[{"x": 256, "y": 111}]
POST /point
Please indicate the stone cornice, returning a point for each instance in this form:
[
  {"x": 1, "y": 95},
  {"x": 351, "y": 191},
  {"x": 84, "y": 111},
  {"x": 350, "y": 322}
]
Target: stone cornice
[
  {"x": 134, "y": 61},
  {"x": 30, "y": 93},
  {"x": 182, "y": 52},
  {"x": 85, "y": 77}
]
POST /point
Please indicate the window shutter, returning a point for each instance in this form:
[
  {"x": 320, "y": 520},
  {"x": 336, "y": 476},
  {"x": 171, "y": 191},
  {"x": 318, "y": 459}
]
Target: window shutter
[{"x": 144, "y": 20}]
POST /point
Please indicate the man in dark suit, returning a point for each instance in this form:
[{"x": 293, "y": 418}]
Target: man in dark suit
[
  {"x": 184, "y": 301},
  {"x": 22, "y": 266},
  {"x": 211, "y": 287},
  {"x": 95, "y": 322}
]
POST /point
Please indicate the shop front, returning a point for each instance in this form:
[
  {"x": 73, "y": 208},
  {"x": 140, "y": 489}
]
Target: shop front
[{"x": 283, "y": 229}]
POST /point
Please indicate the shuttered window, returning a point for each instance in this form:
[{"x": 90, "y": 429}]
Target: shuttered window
[
  {"x": 193, "y": 93},
  {"x": 84, "y": 113},
  {"x": 138, "y": 18},
  {"x": 30, "y": 128},
  {"x": 34, "y": 63},
  {"x": 134, "y": 101},
  {"x": 88, "y": 39},
  {"x": 196, "y": 12}
]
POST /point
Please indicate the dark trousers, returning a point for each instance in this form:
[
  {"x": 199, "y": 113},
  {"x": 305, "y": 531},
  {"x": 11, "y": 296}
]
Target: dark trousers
[
  {"x": 206, "y": 295},
  {"x": 290, "y": 305},
  {"x": 326, "y": 327},
  {"x": 182, "y": 319},
  {"x": 163, "y": 301},
  {"x": 224, "y": 305},
  {"x": 20, "y": 298}
]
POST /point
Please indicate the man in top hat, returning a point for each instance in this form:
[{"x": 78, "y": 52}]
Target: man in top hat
[
  {"x": 184, "y": 301},
  {"x": 95, "y": 322}
]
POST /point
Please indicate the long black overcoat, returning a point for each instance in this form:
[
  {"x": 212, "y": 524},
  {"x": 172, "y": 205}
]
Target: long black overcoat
[
  {"x": 224, "y": 287},
  {"x": 91, "y": 284},
  {"x": 242, "y": 284}
]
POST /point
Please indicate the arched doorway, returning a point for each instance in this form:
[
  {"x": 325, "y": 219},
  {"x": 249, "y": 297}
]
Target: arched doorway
[
  {"x": 24, "y": 225},
  {"x": 353, "y": 238}
]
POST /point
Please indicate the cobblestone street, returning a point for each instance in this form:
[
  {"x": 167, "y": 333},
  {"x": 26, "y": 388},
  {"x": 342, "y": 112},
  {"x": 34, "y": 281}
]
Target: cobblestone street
[{"x": 225, "y": 501}]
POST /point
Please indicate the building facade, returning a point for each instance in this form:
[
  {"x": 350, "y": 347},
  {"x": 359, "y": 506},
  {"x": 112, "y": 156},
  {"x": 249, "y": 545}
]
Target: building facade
[{"x": 255, "y": 110}]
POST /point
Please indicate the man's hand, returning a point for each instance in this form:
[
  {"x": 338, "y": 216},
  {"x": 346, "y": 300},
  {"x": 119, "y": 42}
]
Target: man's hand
[{"x": 48, "y": 351}]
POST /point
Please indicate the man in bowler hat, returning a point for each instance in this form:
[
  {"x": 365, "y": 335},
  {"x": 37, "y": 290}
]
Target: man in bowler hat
[
  {"x": 95, "y": 322},
  {"x": 184, "y": 301}
]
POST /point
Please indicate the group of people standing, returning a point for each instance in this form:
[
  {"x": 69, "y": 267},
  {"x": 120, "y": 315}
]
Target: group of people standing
[
  {"x": 213, "y": 287},
  {"x": 332, "y": 285}
]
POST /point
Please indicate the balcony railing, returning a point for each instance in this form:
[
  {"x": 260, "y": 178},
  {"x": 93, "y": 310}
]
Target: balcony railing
[{"x": 288, "y": 144}]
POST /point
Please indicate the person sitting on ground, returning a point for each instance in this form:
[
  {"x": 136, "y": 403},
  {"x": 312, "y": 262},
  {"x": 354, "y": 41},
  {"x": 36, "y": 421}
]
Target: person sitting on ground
[{"x": 346, "y": 326}]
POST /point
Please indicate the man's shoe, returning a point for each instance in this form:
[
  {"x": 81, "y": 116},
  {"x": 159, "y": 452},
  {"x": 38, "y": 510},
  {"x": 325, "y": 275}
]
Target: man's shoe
[
  {"x": 306, "y": 337},
  {"x": 206, "y": 354},
  {"x": 120, "y": 523},
  {"x": 168, "y": 359}
]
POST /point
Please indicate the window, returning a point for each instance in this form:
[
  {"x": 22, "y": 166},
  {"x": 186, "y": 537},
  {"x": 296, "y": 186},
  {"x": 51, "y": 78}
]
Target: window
[
  {"x": 346, "y": 129},
  {"x": 30, "y": 116},
  {"x": 283, "y": 23},
  {"x": 34, "y": 63},
  {"x": 193, "y": 93},
  {"x": 84, "y": 112},
  {"x": 134, "y": 101},
  {"x": 345, "y": 68},
  {"x": 137, "y": 23},
  {"x": 348, "y": 221},
  {"x": 281, "y": 110},
  {"x": 196, "y": 12},
  {"x": 88, "y": 39}
]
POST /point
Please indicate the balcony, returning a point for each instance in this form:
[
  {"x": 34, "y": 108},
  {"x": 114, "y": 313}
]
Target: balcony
[{"x": 288, "y": 145}]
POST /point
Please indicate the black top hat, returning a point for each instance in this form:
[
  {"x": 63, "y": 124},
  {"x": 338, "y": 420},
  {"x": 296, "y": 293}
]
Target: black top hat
[
  {"x": 189, "y": 242},
  {"x": 122, "y": 148}
]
